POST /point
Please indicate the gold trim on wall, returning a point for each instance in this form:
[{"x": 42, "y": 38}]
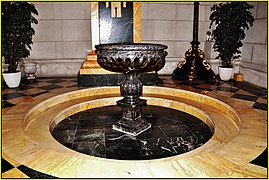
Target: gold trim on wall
[{"x": 137, "y": 21}]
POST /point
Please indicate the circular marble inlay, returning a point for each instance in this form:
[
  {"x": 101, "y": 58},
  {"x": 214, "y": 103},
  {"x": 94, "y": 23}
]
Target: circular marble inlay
[{"x": 173, "y": 132}]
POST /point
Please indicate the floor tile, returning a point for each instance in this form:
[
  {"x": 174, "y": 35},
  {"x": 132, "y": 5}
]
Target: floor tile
[
  {"x": 11, "y": 95},
  {"x": 40, "y": 83},
  {"x": 55, "y": 81},
  {"x": 32, "y": 173},
  {"x": 92, "y": 134},
  {"x": 25, "y": 87},
  {"x": 188, "y": 83},
  {"x": 8, "y": 91},
  {"x": 262, "y": 159},
  {"x": 6, "y": 104},
  {"x": 38, "y": 94},
  {"x": 50, "y": 87},
  {"x": 14, "y": 174},
  {"x": 5, "y": 165},
  {"x": 262, "y": 100},
  {"x": 32, "y": 91},
  {"x": 206, "y": 87},
  {"x": 227, "y": 89},
  {"x": 169, "y": 135},
  {"x": 245, "y": 97},
  {"x": 261, "y": 106},
  {"x": 251, "y": 88},
  {"x": 67, "y": 84},
  {"x": 19, "y": 99},
  {"x": 240, "y": 91},
  {"x": 94, "y": 148},
  {"x": 64, "y": 136}
]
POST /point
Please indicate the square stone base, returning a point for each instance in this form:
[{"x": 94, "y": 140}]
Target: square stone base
[{"x": 133, "y": 128}]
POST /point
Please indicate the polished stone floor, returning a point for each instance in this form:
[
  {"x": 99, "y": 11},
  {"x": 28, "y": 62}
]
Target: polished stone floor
[
  {"x": 173, "y": 132},
  {"x": 27, "y": 90}
]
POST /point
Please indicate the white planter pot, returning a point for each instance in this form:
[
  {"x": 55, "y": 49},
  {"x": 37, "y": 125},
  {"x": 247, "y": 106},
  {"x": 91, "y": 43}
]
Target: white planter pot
[
  {"x": 12, "y": 79},
  {"x": 226, "y": 73},
  {"x": 30, "y": 69}
]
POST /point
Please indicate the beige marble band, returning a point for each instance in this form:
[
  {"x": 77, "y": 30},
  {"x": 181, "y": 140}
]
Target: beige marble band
[{"x": 226, "y": 154}]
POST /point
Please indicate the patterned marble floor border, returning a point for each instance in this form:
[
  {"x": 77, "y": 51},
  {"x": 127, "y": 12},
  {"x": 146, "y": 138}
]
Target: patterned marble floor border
[{"x": 42, "y": 88}]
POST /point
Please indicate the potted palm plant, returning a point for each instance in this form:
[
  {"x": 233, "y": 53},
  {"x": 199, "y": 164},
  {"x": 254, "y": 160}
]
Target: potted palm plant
[
  {"x": 231, "y": 19},
  {"x": 17, "y": 32}
]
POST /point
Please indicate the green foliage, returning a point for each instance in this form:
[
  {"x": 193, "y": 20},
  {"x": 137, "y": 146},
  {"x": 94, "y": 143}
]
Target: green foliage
[
  {"x": 231, "y": 20},
  {"x": 17, "y": 31}
]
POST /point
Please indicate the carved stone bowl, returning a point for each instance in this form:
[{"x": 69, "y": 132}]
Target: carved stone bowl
[
  {"x": 131, "y": 59},
  {"x": 119, "y": 57}
]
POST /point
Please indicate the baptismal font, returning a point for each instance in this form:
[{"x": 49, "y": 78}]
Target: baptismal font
[{"x": 131, "y": 59}]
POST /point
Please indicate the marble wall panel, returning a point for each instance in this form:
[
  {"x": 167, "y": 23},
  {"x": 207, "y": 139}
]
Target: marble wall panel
[
  {"x": 160, "y": 11},
  {"x": 262, "y": 10},
  {"x": 70, "y": 10},
  {"x": 202, "y": 11},
  {"x": 254, "y": 60},
  {"x": 247, "y": 51},
  {"x": 185, "y": 12},
  {"x": 183, "y": 30},
  {"x": 203, "y": 28},
  {"x": 207, "y": 47},
  {"x": 76, "y": 30},
  {"x": 45, "y": 10},
  {"x": 48, "y": 30},
  {"x": 207, "y": 12},
  {"x": 144, "y": 10},
  {"x": 59, "y": 50},
  {"x": 74, "y": 49},
  {"x": 70, "y": 30},
  {"x": 84, "y": 30},
  {"x": 253, "y": 66},
  {"x": 58, "y": 68},
  {"x": 254, "y": 10},
  {"x": 258, "y": 32},
  {"x": 158, "y": 30},
  {"x": 208, "y": 3},
  {"x": 254, "y": 77},
  {"x": 43, "y": 50},
  {"x": 181, "y": 48},
  {"x": 88, "y": 46},
  {"x": 87, "y": 8},
  {"x": 260, "y": 54},
  {"x": 147, "y": 29},
  {"x": 164, "y": 30}
]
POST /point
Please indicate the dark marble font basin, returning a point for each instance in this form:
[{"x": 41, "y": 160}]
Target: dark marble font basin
[
  {"x": 122, "y": 57},
  {"x": 131, "y": 59}
]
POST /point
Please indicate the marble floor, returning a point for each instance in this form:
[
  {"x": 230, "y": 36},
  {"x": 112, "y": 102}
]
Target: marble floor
[
  {"x": 43, "y": 88},
  {"x": 172, "y": 132}
]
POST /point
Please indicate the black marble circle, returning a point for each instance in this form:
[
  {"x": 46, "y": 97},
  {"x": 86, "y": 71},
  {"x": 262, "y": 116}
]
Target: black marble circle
[{"x": 173, "y": 132}]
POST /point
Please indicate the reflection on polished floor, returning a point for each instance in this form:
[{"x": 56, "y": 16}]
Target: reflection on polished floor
[
  {"x": 172, "y": 132},
  {"x": 236, "y": 94}
]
